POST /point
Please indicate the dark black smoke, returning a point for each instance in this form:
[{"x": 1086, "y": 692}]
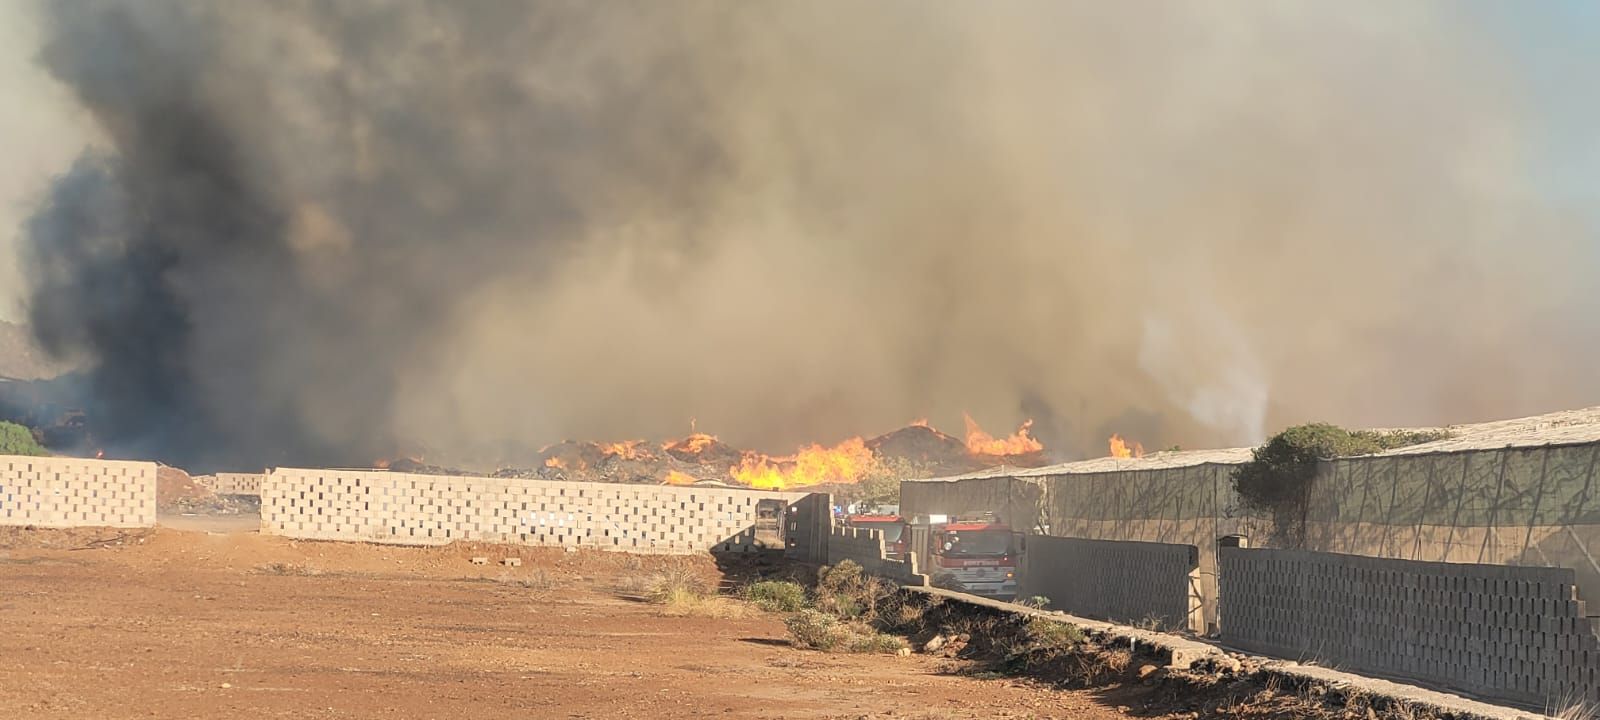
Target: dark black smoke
[
  {"x": 270, "y": 235},
  {"x": 325, "y": 232}
]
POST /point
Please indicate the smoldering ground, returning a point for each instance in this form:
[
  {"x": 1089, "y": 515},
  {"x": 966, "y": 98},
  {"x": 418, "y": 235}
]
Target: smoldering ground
[{"x": 327, "y": 232}]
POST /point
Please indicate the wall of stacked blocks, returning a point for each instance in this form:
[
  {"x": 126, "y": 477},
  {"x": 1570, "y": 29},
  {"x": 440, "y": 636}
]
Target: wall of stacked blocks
[
  {"x": 1497, "y": 631},
  {"x": 865, "y": 547},
  {"x": 67, "y": 492},
  {"x": 1136, "y": 583},
  {"x": 233, "y": 483},
  {"x": 390, "y": 507}
]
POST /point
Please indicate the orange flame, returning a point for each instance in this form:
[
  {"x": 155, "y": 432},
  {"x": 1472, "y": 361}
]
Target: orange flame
[
  {"x": 846, "y": 462},
  {"x": 677, "y": 478},
  {"x": 693, "y": 444},
  {"x": 982, "y": 443},
  {"x": 1121, "y": 449},
  {"x": 555, "y": 462},
  {"x": 627, "y": 450}
]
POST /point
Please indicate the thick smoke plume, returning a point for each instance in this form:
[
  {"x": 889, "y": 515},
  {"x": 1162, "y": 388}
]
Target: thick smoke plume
[{"x": 332, "y": 231}]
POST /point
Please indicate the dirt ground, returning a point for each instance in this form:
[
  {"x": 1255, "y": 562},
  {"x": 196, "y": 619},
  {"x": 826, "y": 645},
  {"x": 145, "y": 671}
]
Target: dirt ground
[{"x": 187, "y": 623}]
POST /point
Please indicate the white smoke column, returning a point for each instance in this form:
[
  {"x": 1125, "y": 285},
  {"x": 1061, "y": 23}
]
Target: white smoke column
[{"x": 1206, "y": 366}]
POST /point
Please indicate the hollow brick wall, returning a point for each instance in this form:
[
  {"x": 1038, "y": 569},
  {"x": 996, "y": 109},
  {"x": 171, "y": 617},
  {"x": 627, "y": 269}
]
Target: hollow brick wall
[
  {"x": 389, "y": 507},
  {"x": 72, "y": 492}
]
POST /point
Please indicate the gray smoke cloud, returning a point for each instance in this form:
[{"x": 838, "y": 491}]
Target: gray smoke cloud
[{"x": 328, "y": 232}]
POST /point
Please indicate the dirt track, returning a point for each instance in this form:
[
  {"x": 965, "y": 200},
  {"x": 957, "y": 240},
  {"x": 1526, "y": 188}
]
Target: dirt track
[{"x": 196, "y": 625}]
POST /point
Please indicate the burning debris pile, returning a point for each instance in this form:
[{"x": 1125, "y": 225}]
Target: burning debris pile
[{"x": 701, "y": 458}]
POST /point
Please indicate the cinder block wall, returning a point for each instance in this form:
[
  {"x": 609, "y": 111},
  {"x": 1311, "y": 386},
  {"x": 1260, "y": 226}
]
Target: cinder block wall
[
  {"x": 1526, "y": 506},
  {"x": 1510, "y": 633},
  {"x": 1191, "y": 505},
  {"x": 69, "y": 492},
  {"x": 387, "y": 507},
  {"x": 865, "y": 547},
  {"x": 236, "y": 483},
  {"x": 1120, "y": 581}
]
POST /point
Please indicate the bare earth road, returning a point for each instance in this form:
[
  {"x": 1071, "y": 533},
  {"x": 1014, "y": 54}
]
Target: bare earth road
[{"x": 184, "y": 624}]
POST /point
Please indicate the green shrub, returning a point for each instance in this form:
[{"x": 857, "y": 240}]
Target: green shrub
[
  {"x": 1053, "y": 634},
  {"x": 902, "y": 614},
  {"x": 875, "y": 642},
  {"x": 820, "y": 631},
  {"x": 18, "y": 440},
  {"x": 679, "y": 583},
  {"x": 816, "y": 630},
  {"x": 846, "y": 590},
  {"x": 1038, "y": 642},
  {"x": 776, "y": 595},
  {"x": 1279, "y": 476}
]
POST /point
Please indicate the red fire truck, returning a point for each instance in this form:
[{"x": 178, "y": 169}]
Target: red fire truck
[
  {"x": 893, "y": 528},
  {"x": 974, "y": 553}
]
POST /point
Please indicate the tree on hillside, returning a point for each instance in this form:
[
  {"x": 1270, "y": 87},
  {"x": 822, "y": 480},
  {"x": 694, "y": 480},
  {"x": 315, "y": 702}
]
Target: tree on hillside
[{"x": 18, "y": 440}]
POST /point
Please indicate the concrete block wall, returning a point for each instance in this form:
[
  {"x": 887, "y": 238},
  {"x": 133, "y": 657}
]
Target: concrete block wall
[
  {"x": 387, "y": 507},
  {"x": 865, "y": 546},
  {"x": 805, "y": 529},
  {"x": 1526, "y": 506},
  {"x": 69, "y": 492},
  {"x": 235, "y": 483},
  {"x": 1128, "y": 582},
  {"x": 1509, "y": 633},
  {"x": 1187, "y": 505}
]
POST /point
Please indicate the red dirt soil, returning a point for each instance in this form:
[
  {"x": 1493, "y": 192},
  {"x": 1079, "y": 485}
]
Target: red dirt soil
[{"x": 174, "y": 624}]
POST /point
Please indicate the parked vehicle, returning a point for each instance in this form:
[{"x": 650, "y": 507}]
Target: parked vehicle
[
  {"x": 977, "y": 554},
  {"x": 893, "y": 528}
]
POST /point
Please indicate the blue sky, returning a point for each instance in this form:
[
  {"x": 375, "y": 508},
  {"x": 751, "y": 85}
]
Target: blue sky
[{"x": 1553, "y": 47}]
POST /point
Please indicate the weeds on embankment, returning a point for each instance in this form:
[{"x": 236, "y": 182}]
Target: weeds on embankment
[
  {"x": 776, "y": 595},
  {"x": 850, "y": 611},
  {"x": 990, "y": 642},
  {"x": 683, "y": 589}
]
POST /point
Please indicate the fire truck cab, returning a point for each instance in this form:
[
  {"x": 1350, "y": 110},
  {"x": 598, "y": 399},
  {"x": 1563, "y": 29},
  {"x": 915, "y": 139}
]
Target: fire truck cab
[
  {"x": 893, "y": 528},
  {"x": 975, "y": 553}
]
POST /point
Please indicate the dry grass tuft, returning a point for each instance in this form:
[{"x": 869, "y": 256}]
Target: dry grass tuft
[
  {"x": 820, "y": 631},
  {"x": 675, "y": 582},
  {"x": 280, "y": 568},
  {"x": 848, "y": 592},
  {"x": 683, "y": 590},
  {"x": 539, "y": 581},
  {"x": 1576, "y": 710},
  {"x": 685, "y": 604},
  {"x": 776, "y": 595}
]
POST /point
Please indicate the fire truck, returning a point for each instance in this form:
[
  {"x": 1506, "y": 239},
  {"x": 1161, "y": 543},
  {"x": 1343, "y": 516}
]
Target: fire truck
[
  {"x": 893, "y": 528},
  {"x": 976, "y": 553}
]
